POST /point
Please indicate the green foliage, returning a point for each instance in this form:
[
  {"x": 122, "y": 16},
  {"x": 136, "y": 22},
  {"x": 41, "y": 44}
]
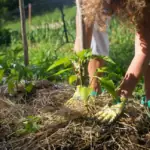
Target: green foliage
[
  {"x": 76, "y": 62},
  {"x": 109, "y": 73},
  {"x": 3, "y": 10},
  {"x": 72, "y": 79},
  {"x": 5, "y": 37},
  {"x": 79, "y": 64},
  {"x": 29, "y": 125},
  {"x": 46, "y": 47},
  {"x": 106, "y": 59},
  {"x": 109, "y": 86},
  {"x": 62, "y": 61},
  {"x": 62, "y": 71},
  {"x": 29, "y": 87},
  {"x": 1, "y": 74},
  {"x": 14, "y": 71},
  {"x": 85, "y": 92},
  {"x": 42, "y": 22},
  {"x": 139, "y": 90},
  {"x": 16, "y": 75}
]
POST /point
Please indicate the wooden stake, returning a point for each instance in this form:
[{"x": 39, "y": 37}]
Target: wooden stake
[
  {"x": 30, "y": 15},
  {"x": 23, "y": 32},
  {"x": 29, "y": 21}
]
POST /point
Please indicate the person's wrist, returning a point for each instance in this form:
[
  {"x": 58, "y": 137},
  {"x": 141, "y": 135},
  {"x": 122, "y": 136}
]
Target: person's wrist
[{"x": 123, "y": 93}]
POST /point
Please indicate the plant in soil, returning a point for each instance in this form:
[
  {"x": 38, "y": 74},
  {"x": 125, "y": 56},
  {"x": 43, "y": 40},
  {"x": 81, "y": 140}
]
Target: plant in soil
[{"x": 77, "y": 64}]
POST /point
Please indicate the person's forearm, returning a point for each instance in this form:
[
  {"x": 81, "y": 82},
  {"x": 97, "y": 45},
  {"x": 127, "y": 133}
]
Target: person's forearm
[{"x": 137, "y": 67}]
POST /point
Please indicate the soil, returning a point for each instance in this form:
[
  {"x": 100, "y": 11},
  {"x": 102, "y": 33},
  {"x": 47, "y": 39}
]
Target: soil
[{"x": 63, "y": 127}]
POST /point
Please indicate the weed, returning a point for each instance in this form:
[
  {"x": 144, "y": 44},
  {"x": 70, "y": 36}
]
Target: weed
[{"x": 29, "y": 125}]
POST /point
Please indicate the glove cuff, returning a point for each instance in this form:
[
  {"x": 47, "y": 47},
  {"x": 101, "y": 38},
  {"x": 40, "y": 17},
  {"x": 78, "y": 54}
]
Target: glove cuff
[
  {"x": 119, "y": 100},
  {"x": 93, "y": 93},
  {"x": 145, "y": 102}
]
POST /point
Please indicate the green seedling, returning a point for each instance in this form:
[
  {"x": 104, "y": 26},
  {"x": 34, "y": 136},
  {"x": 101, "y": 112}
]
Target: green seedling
[{"x": 29, "y": 125}]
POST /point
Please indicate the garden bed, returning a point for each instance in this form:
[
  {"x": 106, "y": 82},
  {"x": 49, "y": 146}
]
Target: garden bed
[{"x": 54, "y": 126}]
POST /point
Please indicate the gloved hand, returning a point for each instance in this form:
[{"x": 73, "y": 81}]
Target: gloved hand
[
  {"x": 82, "y": 94},
  {"x": 110, "y": 113},
  {"x": 82, "y": 101}
]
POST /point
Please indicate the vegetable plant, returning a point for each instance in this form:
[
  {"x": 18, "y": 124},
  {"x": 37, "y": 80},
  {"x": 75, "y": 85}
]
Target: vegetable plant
[{"x": 77, "y": 63}]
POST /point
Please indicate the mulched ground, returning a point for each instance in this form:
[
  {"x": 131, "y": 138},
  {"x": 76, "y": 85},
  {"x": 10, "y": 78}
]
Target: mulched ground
[{"x": 67, "y": 128}]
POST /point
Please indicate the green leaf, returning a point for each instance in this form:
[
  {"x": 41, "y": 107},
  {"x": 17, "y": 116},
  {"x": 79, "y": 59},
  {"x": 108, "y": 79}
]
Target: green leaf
[
  {"x": 81, "y": 54},
  {"x": 1, "y": 75},
  {"x": 33, "y": 118},
  {"x": 62, "y": 61},
  {"x": 89, "y": 54},
  {"x": 62, "y": 71},
  {"x": 109, "y": 73},
  {"x": 106, "y": 58},
  {"x": 103, "y": 70},
  {"x": 85, "y": 92},
  {"x": 29, "y": 87},
  {"x": 84, "y": 54},
  {"x": 28, "y": 127},
  {"x": 11, "y": 86},
  {"x": 114, "y": 75},
  {"x": 72, "y": 79},
  {"x": 21, "y": 132},
  {"x": 109, "y": 86},
  {"x": 13, "y": 72},
  {"x": 35, "y": 127}
]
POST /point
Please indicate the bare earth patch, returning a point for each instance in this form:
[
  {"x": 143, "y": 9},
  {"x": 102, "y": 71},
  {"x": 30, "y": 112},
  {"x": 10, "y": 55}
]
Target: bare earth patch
[{"x": 65, "y": 127}]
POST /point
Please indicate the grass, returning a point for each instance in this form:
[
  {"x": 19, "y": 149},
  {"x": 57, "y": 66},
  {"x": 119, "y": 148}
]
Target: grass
[{"x": 46, "y": 18}]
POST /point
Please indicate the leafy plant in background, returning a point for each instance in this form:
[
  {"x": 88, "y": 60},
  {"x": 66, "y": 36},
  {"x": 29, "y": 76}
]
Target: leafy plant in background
[
  {"x": 12, "y": 70},
  {"x": 47, "y": 39},
  {"x": 19, "y": 73},
  {"x": 139, "y": 90},
  {"x": 5, "y": 37}
]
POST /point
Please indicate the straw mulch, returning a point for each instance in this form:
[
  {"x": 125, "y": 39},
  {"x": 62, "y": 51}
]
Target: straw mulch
[{"x": 71, "y": 128}]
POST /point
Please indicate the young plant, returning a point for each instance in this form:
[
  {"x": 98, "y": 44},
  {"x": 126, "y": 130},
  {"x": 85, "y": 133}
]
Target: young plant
[
  {"x": 78, "y": 64},
  {"x": 106, "y": 81},
  {"x": 29, "y": 125}
]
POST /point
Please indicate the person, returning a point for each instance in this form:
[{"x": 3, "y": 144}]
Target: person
[
  {"x": 140, "y": 63},
  {"x": 99, "y": 43}
]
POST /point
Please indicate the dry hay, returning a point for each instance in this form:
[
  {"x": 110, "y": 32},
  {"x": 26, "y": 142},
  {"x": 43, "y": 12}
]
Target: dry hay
[{"x": 63, "y": 128}]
